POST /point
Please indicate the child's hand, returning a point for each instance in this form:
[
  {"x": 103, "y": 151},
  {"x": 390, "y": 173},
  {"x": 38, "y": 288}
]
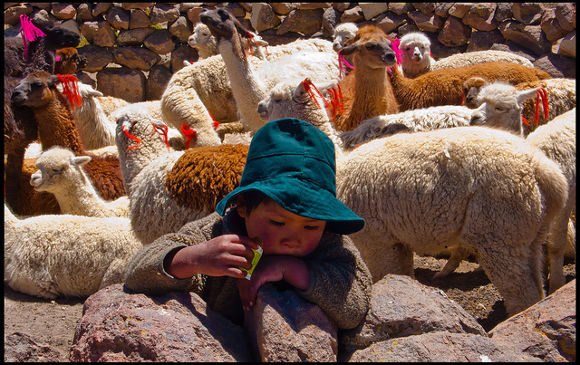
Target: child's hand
[
  {"x": 271, "y": 269},
  {"x": 220, "y": 256}
]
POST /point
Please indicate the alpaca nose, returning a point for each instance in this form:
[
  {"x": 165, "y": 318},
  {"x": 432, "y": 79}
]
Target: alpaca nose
[
  {"x": 262, "y": 110},
  {"x": 35, "y": 179},
  {"x": 18, "y": 97},
  {"x": 477, "y": 118}
]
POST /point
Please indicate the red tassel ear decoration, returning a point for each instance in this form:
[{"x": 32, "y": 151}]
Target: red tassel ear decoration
[
  {"x": 216, "y": 124},
  {"x": 544, "y": 95},
  {"x": 189, "y": 134},
  {"x": 29, "y": 33},
  {"x": 70, "y": 89},
  {"x": 526, "y": 121},
  {"x": 162, "y": 130},
  {"x": 132, "y": 137}
]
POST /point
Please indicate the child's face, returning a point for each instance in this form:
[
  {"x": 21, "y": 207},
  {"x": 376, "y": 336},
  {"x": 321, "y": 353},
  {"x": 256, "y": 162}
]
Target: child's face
[{"x": 281, "y": 231}]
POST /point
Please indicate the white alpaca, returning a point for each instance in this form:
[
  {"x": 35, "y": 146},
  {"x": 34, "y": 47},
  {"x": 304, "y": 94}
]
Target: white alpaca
[
  {"x": 343, "y": 32},
  {"x": 48, "y": 256},
  {"x": 202, "y": 41},
  {"x": 60, "y": 173}
]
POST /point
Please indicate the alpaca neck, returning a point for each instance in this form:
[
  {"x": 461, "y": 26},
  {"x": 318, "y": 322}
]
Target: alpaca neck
[
  {"x": 370, "y": 96},
  {"x": 56, "y": 126},
  {"x": 246, "y": 88},
  {"x": 79, "y": 198},
  {"x": 413, "y": 69},
  {"x": 92, "y": 120},
  {"x": 10, "y": 222}
]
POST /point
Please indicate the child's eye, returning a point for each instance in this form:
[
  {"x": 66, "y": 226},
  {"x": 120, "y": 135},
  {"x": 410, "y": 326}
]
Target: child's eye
[{"x": 276, "y": 223}]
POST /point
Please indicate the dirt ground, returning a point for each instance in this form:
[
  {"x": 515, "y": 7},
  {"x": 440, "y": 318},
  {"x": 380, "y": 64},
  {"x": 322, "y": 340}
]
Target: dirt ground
[{"x": 53, "y": 322}]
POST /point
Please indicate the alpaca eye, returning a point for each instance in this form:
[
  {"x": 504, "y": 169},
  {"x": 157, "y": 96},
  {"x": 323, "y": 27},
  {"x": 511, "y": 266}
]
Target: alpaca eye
[
  {"x": 36, "y": 84},
  {"x": 499, "y": 109}
]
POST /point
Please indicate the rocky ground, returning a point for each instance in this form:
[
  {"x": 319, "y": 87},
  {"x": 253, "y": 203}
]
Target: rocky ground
[{"x": 51, "y": 323}]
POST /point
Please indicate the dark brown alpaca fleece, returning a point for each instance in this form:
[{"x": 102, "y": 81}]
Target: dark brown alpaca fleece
[
  {"x": 69, "y": 61},
  {"x": 367, "y": 91},
  {"x": 204, "y": 175},
  {"x": 445, "y": 87}
]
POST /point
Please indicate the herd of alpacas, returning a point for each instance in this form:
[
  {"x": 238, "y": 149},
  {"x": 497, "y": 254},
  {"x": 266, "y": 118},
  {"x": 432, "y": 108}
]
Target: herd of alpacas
[{"x": 472, "y": 154}]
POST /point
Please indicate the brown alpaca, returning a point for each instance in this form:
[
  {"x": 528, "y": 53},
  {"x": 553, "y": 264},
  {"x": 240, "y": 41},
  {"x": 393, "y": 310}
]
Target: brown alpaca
[
  {"x": 68, "y": 61},
  {"x": 445, "y": 87},
  {"x": 367, "y": 91},
  {"x": 56, "y": 127}
]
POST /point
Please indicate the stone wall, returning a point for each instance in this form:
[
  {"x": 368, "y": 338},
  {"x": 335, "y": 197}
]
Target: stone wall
[{"x": 132, "y": 49}]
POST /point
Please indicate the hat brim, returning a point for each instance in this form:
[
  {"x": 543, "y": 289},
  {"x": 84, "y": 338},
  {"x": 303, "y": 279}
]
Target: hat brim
[{"x": 305, "y": 199}]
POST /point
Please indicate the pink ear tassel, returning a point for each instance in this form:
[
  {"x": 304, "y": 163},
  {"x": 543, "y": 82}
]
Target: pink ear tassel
[{"x": 29, "y": 32}]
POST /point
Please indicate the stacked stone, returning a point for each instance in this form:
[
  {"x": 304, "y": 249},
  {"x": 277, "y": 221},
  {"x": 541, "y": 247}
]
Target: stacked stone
[{"x": 132, "y": 49}]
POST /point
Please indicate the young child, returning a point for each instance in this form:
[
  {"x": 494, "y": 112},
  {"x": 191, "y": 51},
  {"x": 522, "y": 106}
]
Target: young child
[{"x": 287, "y": 201}]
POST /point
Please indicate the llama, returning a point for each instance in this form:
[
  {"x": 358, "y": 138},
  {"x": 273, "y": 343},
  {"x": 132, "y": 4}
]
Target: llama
[
  {"x": 367, "y": 90},
  {"x": 60, "y": 172},
  {"x": 56, "y": 126},
  {"x": 445, "y": 87},
  {"x": 249, "y": 84}
]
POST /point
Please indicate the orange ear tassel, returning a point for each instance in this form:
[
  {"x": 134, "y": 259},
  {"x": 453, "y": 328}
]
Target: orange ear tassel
[
  {"x": 132, "y": 137},
  {"x": 162, "y": 130}
]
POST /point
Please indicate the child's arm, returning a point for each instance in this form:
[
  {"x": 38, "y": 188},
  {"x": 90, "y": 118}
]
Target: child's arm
[{"x": 175, "y": 260}]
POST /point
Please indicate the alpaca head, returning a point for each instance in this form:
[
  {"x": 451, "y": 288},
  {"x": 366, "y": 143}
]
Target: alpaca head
[
  {"x": 371, "y": 48},
  {"x": 225, "y": 27},
  {"x": 294, "y": 99},
  {"x": 471, "y": 88},
  {"x": 416, "y": 48},
  {"x": 58, "y": 36},
  {"x": 500, "y": 106},
  {"x": 57, "y": 168},
  {"x": 342, "y": 33},
  {"x": 35, "y": 90},
  {"x": 68, "y": 61},
  {"x": 203, "y": 41}
]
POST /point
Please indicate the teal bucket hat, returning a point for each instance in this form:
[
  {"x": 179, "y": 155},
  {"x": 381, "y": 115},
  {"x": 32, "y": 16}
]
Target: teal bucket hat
[{"x": 293, "y": 163}]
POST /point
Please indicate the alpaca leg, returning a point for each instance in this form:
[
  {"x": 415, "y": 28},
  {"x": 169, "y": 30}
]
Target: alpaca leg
[
  {"x": 115, "y": 273},
  {"x": 457, "y": 255},
  {"x": 556, "y": 244},
  {"x": 384, "y": 256},
  {"x": 515, "y": 270},
  {"x": 570, "y": 251}
]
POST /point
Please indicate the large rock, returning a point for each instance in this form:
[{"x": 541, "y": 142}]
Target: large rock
[
  {"x": 160, "y": 42},
  {"x": 528, "y": 13},
  {"x": 64, "y": 11},
  {"x": 136, "y": 57},
  {"x": 566, "y": 14},
  {"x": 181, "y": 53},
  {"x": 527, "y": 36},
  {"x": 389, "y": 21},
  {"x": 162, "y": 13},
  {"x": 353, "y": 15},
  {"x": 122, "y": 82},
  {"x": 459, "y": 10},
  {"x": 557, "y": 66},
  {"x": 400, "y": 307},
  {"x": 97, "y": 57},
  {"x": 263, "y": 17},
  {"x": 181, "y": 29},
  {"x": 546, "y": 330},
  {"x": 118, "y": 17},
  {"x": 440, "y": 347},
  {"x": 426, "y": 23},
  {"x": 84, "y": 12},
  {"x": 138, "y": 19},
  {"x": 284, "y": 327},
  {"x": 119, "y": 326},
  {"x": 133, "y": 37},
  {"x": 99, "y": 33},
  {"x": 551, "y": 26},
  {"x": 306, "y": 22},
  {"x": 481, "y": 41},
  {"x": 157, "y": 81},
  {"x": 283, "y": 8},
  {"x": 21, "y": 347},
  {"x": 454, "y": 33},
  {"x": 371, "y": 10},
  {"x": 567, "y": 46},
  {"x": 101, "y": 8},
  {"x": 480, "y": 16}
]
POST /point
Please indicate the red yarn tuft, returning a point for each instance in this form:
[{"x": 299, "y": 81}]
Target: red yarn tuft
[
  {"x": 132, "y": 137},
  {"x": 70, "y": 89},
  {"x": 162, "y": 130},
  {"x": 189, "y": 134}
]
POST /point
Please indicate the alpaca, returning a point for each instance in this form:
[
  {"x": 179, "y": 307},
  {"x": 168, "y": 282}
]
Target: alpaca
[
  {"x": 342, "y": 33},
  {"x": 460, "y": 187},
  {"x": 250, "y": 84},
  {"x": 445, "y": 87},
  {"x": 56, "y": 126},
  {"x": 367, "y": 90},
  {"x": 417, "y": 59},
  {"x": 60, "y": 172},
  {"x": 202, "y": 41},
  {"x": 65, "y": 255},
  {"x": 561, "y": 97},
  {"x": 68, "y": 61},
  {"x": 168, "y": 189}
]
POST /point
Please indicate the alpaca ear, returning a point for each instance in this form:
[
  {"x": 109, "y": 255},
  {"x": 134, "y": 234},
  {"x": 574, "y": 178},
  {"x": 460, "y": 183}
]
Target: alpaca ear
[
  {"x": 80, "y": 160},
  {"x": 300, "y": 89},
  {"x": 525, "y": 95},
  {"x": 52, "y": 80},
  {"x": 349, "y": 47}
]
